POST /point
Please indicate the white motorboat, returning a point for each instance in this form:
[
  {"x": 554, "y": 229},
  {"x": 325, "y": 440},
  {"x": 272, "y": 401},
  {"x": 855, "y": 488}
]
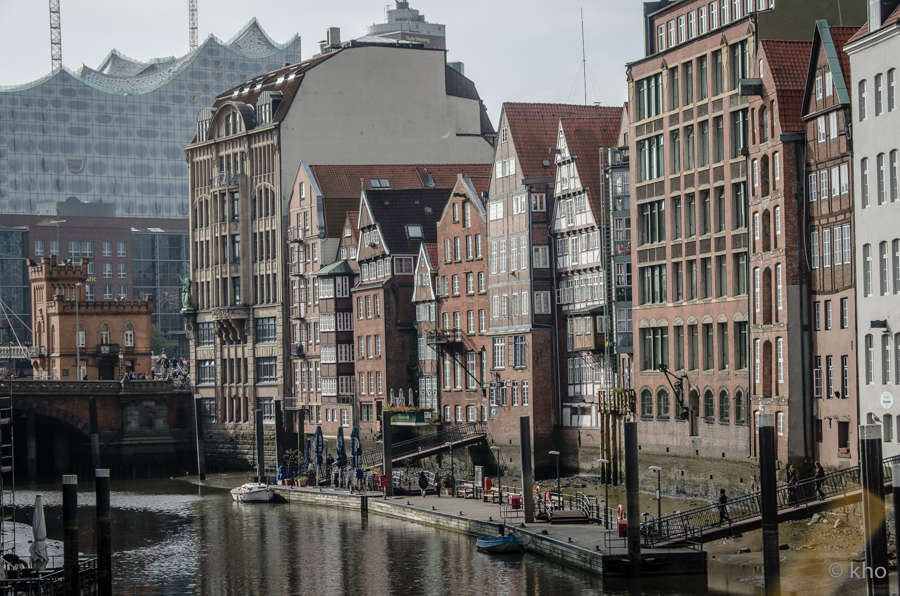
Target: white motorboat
[{"x": 253, "y": 492}]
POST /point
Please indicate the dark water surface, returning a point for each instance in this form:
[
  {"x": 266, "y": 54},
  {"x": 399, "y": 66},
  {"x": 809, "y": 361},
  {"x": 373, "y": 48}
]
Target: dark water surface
[{"x": 172, "y": 537}]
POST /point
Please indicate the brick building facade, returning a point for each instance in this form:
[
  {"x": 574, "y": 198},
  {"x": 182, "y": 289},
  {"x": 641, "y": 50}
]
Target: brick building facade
[{"x": 112, "y": 338}]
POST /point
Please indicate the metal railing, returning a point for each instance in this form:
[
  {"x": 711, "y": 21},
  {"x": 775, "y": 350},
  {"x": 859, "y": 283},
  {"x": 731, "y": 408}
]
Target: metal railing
[
  {"x": 681, "y": 526},
  {"x": 52, "y": 583},
  {"x": 412, "y": 447}
]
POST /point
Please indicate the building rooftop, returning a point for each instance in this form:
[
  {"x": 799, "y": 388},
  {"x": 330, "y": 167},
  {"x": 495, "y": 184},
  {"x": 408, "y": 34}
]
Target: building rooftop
[
  {"x": 534, "y": 127},
  {"x": 584, "y": 138},
  {"x": 788, "y": 61},
  {"x": 347, "y": 181},
  {"x": 864, "y": 30},
  {"x": 394, "y": 210}
]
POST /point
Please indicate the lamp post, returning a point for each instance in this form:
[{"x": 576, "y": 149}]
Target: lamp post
[
  {"x": 496, "y": 451},
  {"x": 57, "y": 222},
  {"x": 120, "y": 363},
  {"x": 449, "y": 446},
  {"x": 78, "y": 336},
  {"x": 657, "y": 469},
  {"x": 606, "y": 501},
  {"x": 558, "y": 493}
]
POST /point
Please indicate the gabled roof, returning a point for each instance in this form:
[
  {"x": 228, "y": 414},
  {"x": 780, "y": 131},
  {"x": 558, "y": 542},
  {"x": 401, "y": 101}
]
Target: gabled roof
[
  {"x": 432, "y": 249},
  {"x": 584, "y": 138},
  {"x": 788, "y": 63},
  {"x": 346, "y": 181},
  {"x": 393, "y": 210},
  {"x": 831, "y": 41},
  {"x": 534, "y": 126},
  {"x": 353, "y": 221},
  {"x": 341, "y": 267},
  {"x": 864, "y": 30}
]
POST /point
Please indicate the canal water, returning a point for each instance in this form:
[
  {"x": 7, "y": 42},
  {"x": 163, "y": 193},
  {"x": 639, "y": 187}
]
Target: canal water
[{"x": 173, "y": 537}]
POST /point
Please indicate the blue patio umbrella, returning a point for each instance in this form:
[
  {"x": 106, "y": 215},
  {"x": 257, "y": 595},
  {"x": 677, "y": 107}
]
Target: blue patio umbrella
[
  {"x": 308, "y": 451},
  {"x": 356, "y": 452},
  {"x": 319, "y": 444},
  {"x": 341, "y": 453}
]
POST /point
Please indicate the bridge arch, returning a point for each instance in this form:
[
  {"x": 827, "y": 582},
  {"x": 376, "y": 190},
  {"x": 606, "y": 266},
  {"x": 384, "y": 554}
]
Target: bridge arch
[{"x": 63, "y": 416}]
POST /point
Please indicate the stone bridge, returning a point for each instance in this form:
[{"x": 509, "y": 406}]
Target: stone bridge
[{"x": 146, "y": 427}]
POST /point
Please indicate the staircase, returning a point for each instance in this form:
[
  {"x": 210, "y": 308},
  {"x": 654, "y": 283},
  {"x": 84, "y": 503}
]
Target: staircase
[{"x": 458, "y": 436}]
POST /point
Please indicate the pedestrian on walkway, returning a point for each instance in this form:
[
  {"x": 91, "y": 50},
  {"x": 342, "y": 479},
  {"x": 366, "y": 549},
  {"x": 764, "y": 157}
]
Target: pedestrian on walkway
[
  {"x": 423, "y": 482},
  {"x": 723, "y": 507},
  {"x": 793, "y": 478},
  {"x": 437, "y": 483},
  {"x": 819, "y": 479}
]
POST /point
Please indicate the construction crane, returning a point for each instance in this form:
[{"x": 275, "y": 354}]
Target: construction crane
[
  {"x": 55, "y": 36},
  {"x": 192, "y": 23}
]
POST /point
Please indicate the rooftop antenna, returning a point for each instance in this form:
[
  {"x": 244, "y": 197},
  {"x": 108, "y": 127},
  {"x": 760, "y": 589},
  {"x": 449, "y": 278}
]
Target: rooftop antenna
[
  {"x": 583, "y": 57},
  {"x": 192, "y": 23},
  {"x": 55, "y": 37}
]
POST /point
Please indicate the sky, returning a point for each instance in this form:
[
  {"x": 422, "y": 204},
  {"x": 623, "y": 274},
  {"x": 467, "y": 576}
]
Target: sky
[{"x": 515, "y": 50}]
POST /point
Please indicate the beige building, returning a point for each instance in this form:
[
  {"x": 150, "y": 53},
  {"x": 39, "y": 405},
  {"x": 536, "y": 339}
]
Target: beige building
[{"x": 378, "y": 101}]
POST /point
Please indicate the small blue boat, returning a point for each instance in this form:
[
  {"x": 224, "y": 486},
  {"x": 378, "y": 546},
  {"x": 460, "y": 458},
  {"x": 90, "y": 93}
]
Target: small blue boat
[{"x": 500, "y": 544}]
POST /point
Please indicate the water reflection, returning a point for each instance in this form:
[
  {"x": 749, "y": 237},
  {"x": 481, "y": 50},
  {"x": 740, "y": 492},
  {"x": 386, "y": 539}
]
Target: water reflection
[{"x": 170, "y": 537}]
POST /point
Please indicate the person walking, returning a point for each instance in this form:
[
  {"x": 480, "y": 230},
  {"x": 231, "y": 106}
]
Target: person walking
[
  {"x": 723, "y": 507},
  {"x": 423, "y": 482},
  {"x": 819, "y": 480},
  {"x": 437, "y": 483},
  {"x": 793, "y": 479}
]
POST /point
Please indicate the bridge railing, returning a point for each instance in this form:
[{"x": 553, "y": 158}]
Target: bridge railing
[
  {"x": 683, "y": 525},
  {"x": 412, "y": 447}
]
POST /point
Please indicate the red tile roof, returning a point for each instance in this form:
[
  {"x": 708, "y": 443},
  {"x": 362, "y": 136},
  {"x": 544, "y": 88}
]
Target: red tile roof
[
  {"x": 431, "y": 247},
  {"x": 533, "y": 127},
  {"x": 841, "y": 36},
  {"x": 864, "y": 30},
  {"x": 788, "y": 62},
  {"x": 347, "y": 181},
  {"x": 584, "y": 138}
]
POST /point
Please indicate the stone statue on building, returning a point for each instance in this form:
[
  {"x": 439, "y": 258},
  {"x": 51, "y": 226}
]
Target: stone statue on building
[{"x": 185, "y": 292}]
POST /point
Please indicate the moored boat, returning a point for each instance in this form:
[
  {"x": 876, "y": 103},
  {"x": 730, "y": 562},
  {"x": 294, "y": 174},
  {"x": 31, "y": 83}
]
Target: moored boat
[
  {"x": 500, "y": 544},
  {"x": 253, "y": 492}
]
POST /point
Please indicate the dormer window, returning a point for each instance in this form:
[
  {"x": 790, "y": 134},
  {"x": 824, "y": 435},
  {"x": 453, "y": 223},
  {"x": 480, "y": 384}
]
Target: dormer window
[
  {"x": 267, "y": 106},
  {"x": 379, "y": 183},
  {"x": 413, "y": 231},
  {"x": 203, "y": 120}
]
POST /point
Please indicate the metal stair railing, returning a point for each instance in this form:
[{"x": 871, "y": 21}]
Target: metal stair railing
[
  {"x": 412, "y": 447},
  {"x": 683, "y": 526}
]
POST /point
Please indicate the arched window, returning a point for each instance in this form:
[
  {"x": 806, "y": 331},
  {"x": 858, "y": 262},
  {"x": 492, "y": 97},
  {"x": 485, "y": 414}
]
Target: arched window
[
  {"x": 646, "y": 403},
  {"x": 738, "y": 406},
  {"x": 80, "y": 336},
  {"x": 129, "y": 336},
  {"x": 724, "y": 409},
  {"x": 709, "y": 404},
  {"x": 763, "y": 125},
  {"x": 662, "y": 403},
  {"x": 104, "y": 334}
]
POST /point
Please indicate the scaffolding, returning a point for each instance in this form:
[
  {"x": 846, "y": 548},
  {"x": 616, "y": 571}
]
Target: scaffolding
[{"x": 7, "y": 468}]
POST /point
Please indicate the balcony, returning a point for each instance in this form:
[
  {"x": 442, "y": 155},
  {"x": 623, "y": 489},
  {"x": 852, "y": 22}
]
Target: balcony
[
  {"x": 225, "y": 180},
  {"x": 295, "y": 234},
  {"x": 298, "y": 268},
  {"x": 38, "y": 351},
  {"x": 298, "y": 311},
  {"x": 595, "y": 342},
  {"x": 107, "y": 349},
  {"x": 442, "y": 337},
  {"x": 298, "y": 351}
]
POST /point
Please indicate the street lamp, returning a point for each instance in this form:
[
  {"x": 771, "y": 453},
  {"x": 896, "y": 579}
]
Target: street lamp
[
  {"x": 605, "y": 502},
  {"x": 78, "y": 336},
  {"x": 558, "y": 492},
  {"x": 120, "y": 363},
  {"x": 57, "y": 222},
  {"x": 496, "y": 451},
  {"x": 657, "y": 469},
  {"x": 449, "y": 446}
]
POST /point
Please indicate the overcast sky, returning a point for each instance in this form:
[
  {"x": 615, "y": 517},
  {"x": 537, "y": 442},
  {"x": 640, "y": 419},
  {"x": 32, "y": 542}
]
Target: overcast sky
[{"x": 514, "y": 50}]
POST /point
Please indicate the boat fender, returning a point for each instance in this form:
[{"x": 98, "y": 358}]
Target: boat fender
[{"x": 619, "y": 512}]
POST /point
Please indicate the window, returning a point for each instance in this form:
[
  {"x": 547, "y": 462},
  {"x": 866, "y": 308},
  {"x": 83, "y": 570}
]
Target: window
[
  {"x": 714, "y": 15},
  {"x": 266, "y": 369},
  {"x": 829, "y": 84},
  {"x": 646, "y": 403},
  {"x": 649, "y": 97},
  {"x": 740, "y": 68},
  {"x": 654, "y": 347},
  {"x": 779, "y": 423},
  {"x": 651, "y": 164},
  {"x": 894, "y": 175},
  {"x": 867, "y": 270},
  {"x": 892, "y": 102},
  {"x": 880, "y": 179},
  {"x": 861, "y": 106},
  {"x": 826, "y": 248},
  {"x": 739, "y": 132},
  {"x": 718, "y": 86},
  {"x": 701, "y": 16},
  {"x": 814, "y": 249},
  {"x": 499, "y": 352},
  {"x": 878, "y": 94},
  {"x": 687, "y": 82},
  {"x": 703, "y": 146},
  {"x": 870, "y": 360},
  {"x": 864, "y": 181}
]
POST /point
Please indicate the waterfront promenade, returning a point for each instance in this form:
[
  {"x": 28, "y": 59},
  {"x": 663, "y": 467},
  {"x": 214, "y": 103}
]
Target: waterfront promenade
[{"x": 585, "y": 546}]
